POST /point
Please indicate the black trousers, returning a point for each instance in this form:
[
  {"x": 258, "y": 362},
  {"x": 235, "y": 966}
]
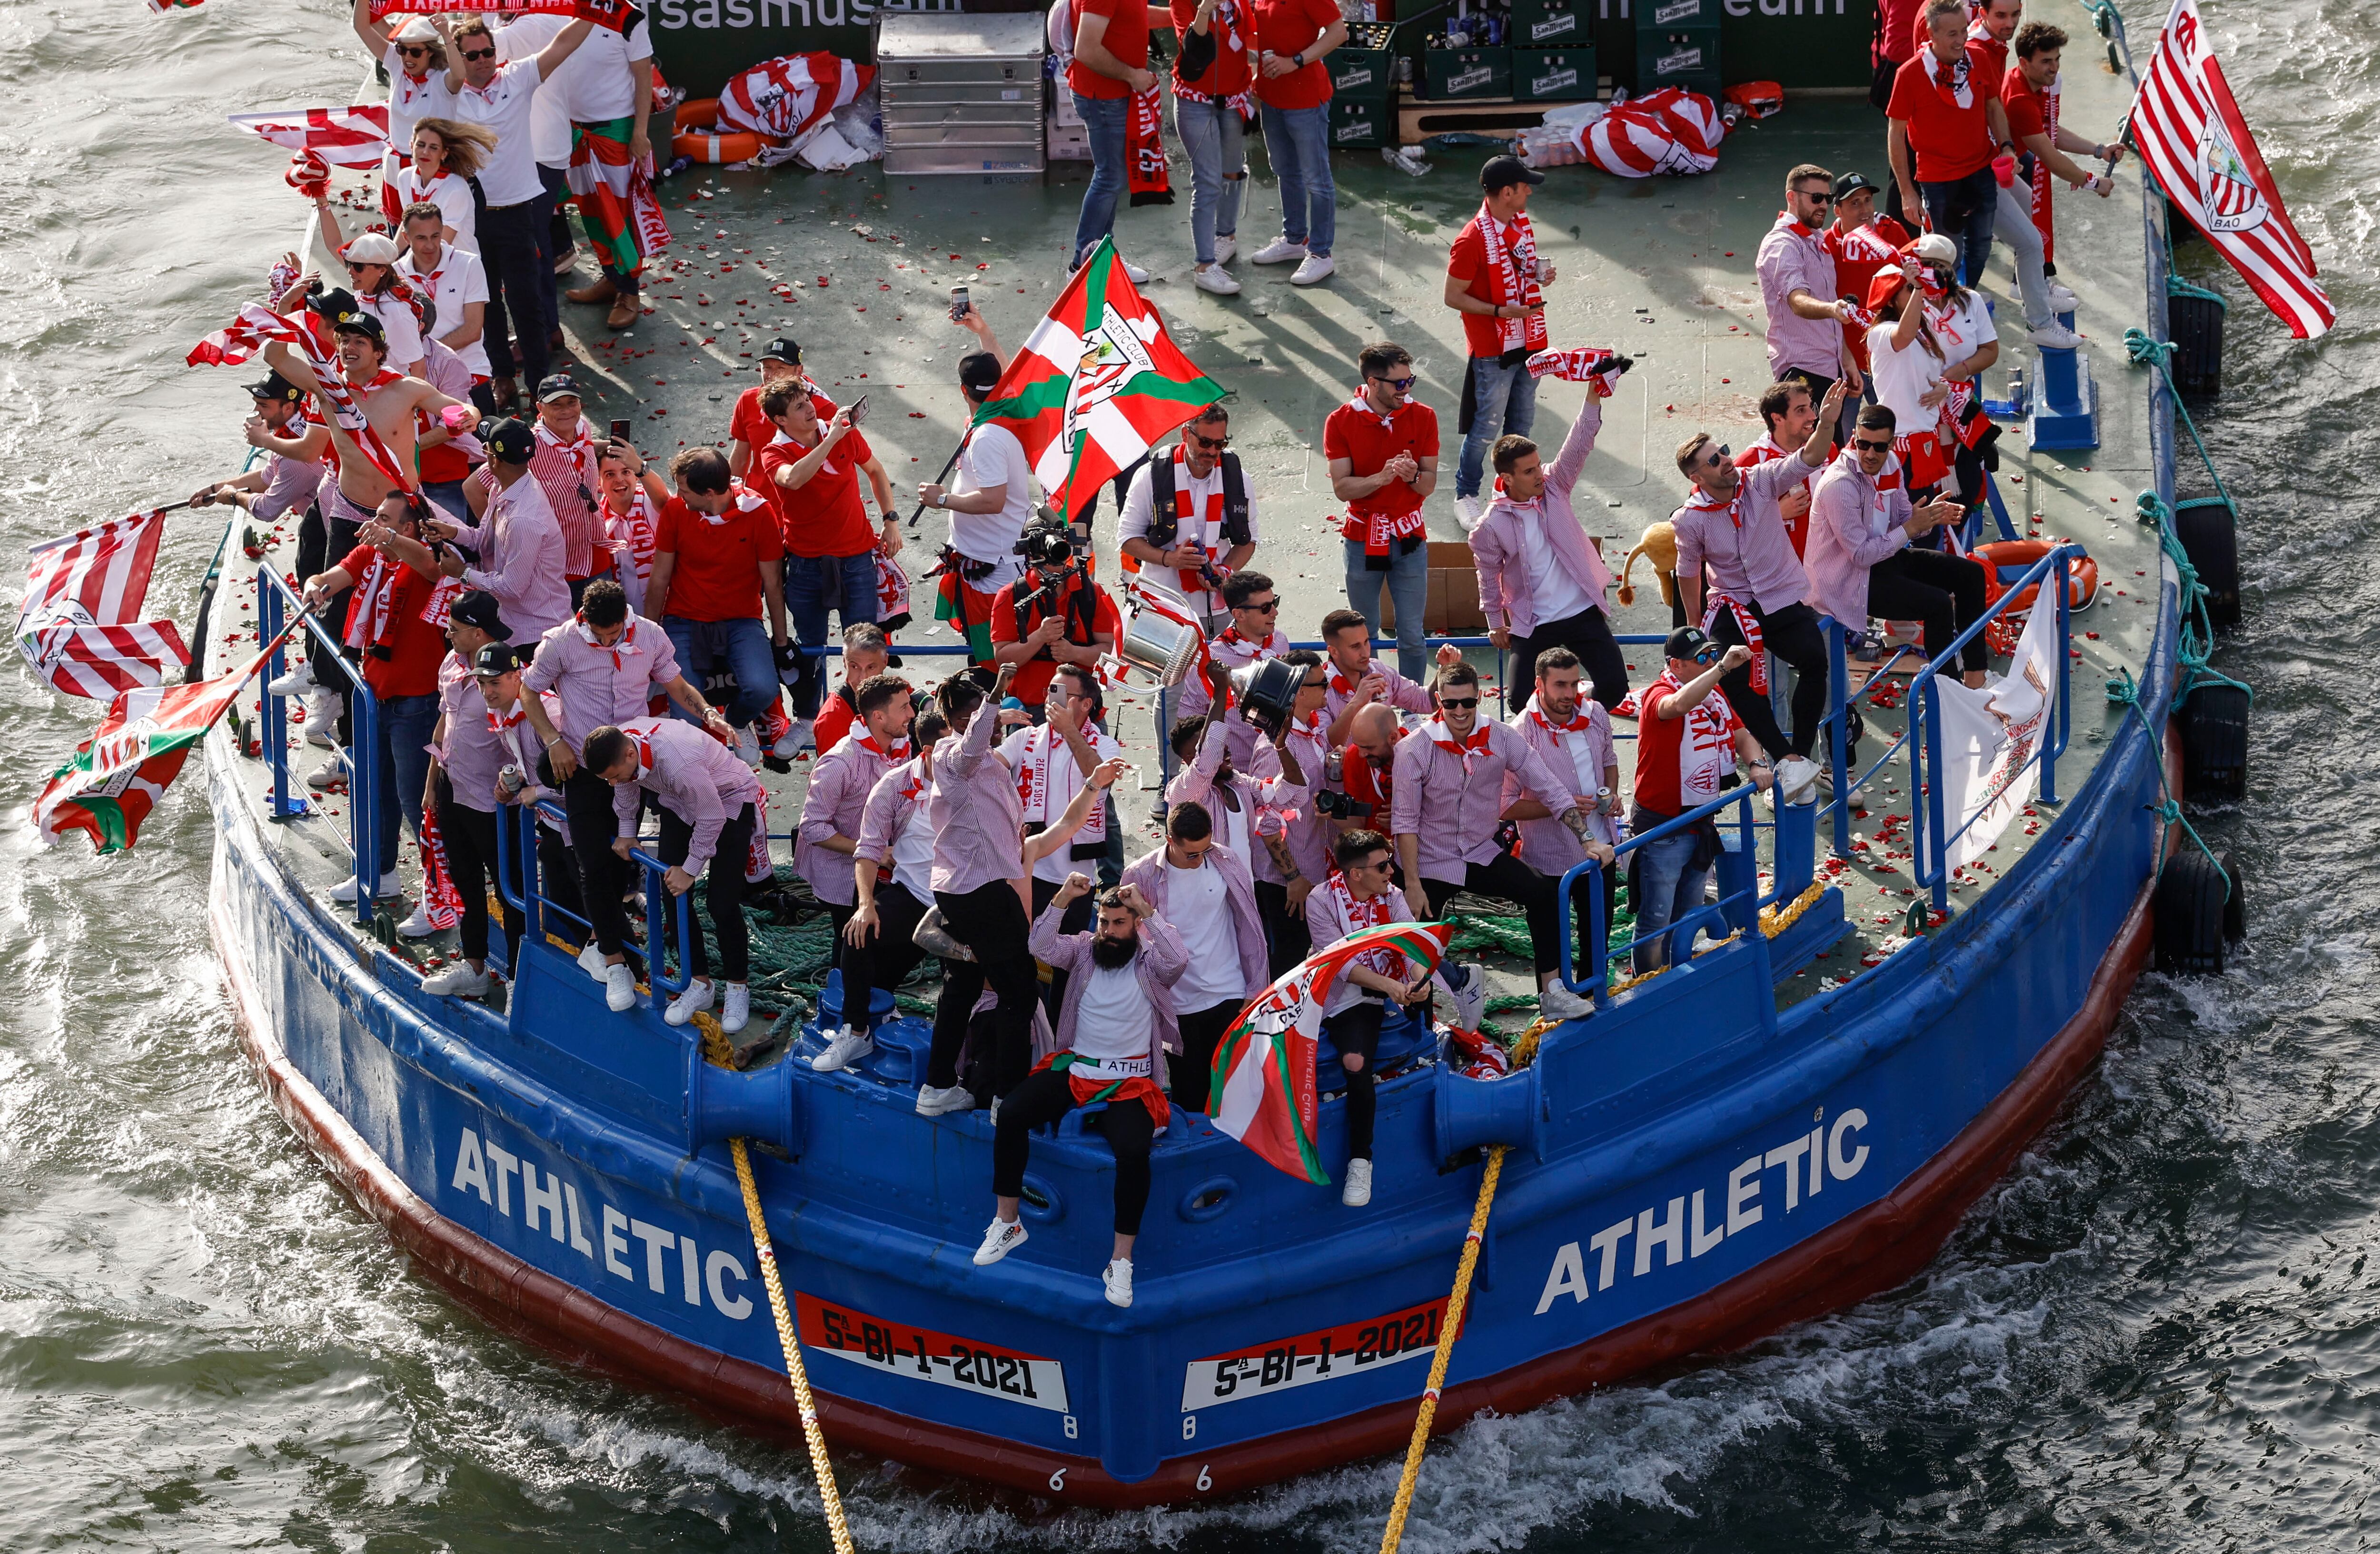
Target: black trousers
[
  {"x": 1192, "y": 1068},
  {"x": 513, "y": 248},
  {"x": 1042, "y": 1100},
  {"x": 1357, "y": 1030},
  {"x": 1945, "y": 592},
  {"x": 1588, "y": 634},
  {"x": 469, "y": 836},
  {"x": 889, "y": 955},
  {"x": 1507, "y": 876},
  {"x": 1793, "y": 635},
  {"x": 1287, "y": 940},
  {"x": 989, "y": 920},
  {"x": 724, "y": 895},
  {"x": 587, "y": 799}
]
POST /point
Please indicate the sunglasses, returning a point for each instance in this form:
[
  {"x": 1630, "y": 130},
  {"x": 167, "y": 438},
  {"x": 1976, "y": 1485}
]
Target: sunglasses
[
  {"x": 1466, "y": 702},
  {"x": 1718, "y": 459},
  {"x": 1402, "y": 385},
  {"x": 1314, "y": 685},
  {"x": 1883, "y": 447},
  {"x": 1815, "y": 198},
  {"x": 413, "y": 48},
  {"x": 1212, "y": 444},
  {"x": 478, "y": 53},
  {"x": 1269, "y": 607},
  {"x": 1371, "y": 866},
  {"x": 1708, "y": 655}
]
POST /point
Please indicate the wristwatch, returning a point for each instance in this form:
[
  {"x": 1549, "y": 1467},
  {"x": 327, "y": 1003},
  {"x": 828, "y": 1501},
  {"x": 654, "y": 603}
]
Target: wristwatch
[{"x": 1299, "y": 57}]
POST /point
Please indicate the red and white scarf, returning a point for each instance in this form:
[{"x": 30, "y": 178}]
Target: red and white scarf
[
  {"x": 900, "y": 751},
  {"x": 1189, "y": 521},
  {"x": 371, "y": 619},
  {"x": 502, "y": 724},
  {"x": 1513, "y": 278},
  {"x": 1438, "y": 734},
  {"x": 1748, "y": 623},
  {"x": 1579, "y": 721},
  {"x": 1033, "y": 785},
  {"x": 1958, "y": 90},
  {"x": 1589, "y": 365},
  {"x": 1145, "y": 176},
  {"x": 256, "y": 326},
  {"x": 440, "y": 900},
  {"x": 632, "y": 532},
  {"x": 1361, "y": 914},
  {"x": 623, "y": 649}
]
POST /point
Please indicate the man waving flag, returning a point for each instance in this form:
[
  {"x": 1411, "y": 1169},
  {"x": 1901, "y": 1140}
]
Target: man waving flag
[{"x": 2190, "y": 133}]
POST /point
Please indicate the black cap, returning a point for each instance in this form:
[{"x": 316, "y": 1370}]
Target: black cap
[
  {"x": 509, "y": 439},
  {"x": 277, "y": 389},
  {"x": 1502, "y": 172},
  {"x": 555, "y": 386},
  {"x": 479, "y": 608},
  {"x": 496, "y": 658},
  {"x": 340, "y": 310},
  {"x": 1688, "y": 642},
  {"x": 1851, "y": 183},
  {"x": 784, "y": 350},
  {"x": 978, "y": 371}
]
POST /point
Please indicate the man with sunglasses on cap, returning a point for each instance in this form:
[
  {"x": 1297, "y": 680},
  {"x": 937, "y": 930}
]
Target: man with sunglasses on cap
[
  {"x": 1494, "y": 278},
  {"x": 1732, "y": 526},
  {"x": 1188, "y": 517},
  {"x": 1382, "y": 447},
  {"x": 1684, "y": 737},
  {"x": 293, "y": 463},
  {"x": 1806, "y": 309},
  {"x": 1449, "y": 804},
  {"x": 989, "y": 504}
]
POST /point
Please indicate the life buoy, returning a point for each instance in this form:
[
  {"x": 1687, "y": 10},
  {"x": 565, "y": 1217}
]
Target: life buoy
[
  {"x": 733, "y": 145},
  {"x": 699, "y": 113},
  {"x": 2007, "y": 560}
]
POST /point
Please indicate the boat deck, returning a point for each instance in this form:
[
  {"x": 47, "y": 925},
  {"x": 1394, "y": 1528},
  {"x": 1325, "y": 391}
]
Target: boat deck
[{"x": 858, "y": 267}]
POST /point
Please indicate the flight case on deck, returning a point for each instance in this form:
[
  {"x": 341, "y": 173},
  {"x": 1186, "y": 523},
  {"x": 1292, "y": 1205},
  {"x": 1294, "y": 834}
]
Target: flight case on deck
[{"x": 962, "y": 94}]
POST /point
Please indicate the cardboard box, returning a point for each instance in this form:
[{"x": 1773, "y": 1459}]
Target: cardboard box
[{"x": 1451, "y": 606}]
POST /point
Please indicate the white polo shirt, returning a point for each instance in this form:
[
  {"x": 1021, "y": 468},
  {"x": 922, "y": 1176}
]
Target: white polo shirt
[
  {"x": 459, "y": 279},
  {"x": 504, "y": 105},
  {"x": 992, "y": 457},
  {"x": 451, "y": 195}
]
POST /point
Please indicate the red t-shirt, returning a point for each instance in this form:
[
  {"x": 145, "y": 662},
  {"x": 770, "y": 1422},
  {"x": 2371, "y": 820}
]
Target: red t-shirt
[
  {"x": 751, "y": 426},
  {"x": 1467, "y": 261},
  {"x": 824, "y": 518},
  {"x": 717, "y": 575},
  {"x": 1364, "y": 784},
  {"x": 1950, "y": 142},
  {"x": 1901, "y": 20},
  {"x": 1921, "y": 35},
  {"x": 1858, "y": 255},
  {"x": 1359, "y": 437},
  {"x": 1032, "y": 682},
  {"x": 1232, "y": 68},
  {"x": 2028, "y": 113},
  {"x": 1126, "y": 38},
  {"x": 836, "y": 718},
  {"x": 1680, "y": 761},
  {"x": 1288, "y": 26},
  {"x": 445, "y": 464},
  {"x": 414, "y": 646}
]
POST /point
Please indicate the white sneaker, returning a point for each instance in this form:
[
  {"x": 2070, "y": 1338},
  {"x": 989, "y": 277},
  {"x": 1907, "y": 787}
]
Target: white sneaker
[
  {"x": 620, "y": 989},
  {"x": 590, "y": 961},
  {"x": 999, "y": 1238},
  {"x": 1468, "y": 982},
  {"x": 1135, "y": 273},
  {"x": 747, "y": 747},
  {"x": 2062, "y": 300},
  {"x": 847, "y": 1047},
  {"x": 1557, "y": 1002},
  {"x": 328, "y": 775},
  {"x": 1797, "y": 780},
  {"x": 1280, "y": 250},
  {"x": 687, "y": 1005},
  {"x": 1226, "y": 250},
  {"x": 296, "y": 682},
  {"x": 995, "y": 1112},
  {"x": 1468, "y": 512},
  {"x": 804, "y": 737},
  {"x": 1358, "y": 1189},
  {"x": 344, "y": 892},
  {"x": 1215, "y": 278},
  {"x": 1317, "y": 268},
  {"x": 933, "y": 1103},
  {"x": 2054, "y": 336},
  {"x": 458, "y": 981},
  {"x": 734, "y": 1007},
  {"x": 322, "y": 710},
  {"x": 1119, "y": 1282},
  {"x": 418, "y": 926}
]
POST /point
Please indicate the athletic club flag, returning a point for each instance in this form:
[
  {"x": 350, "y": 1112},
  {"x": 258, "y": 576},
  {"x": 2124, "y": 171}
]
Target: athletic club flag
[
  {"x": 341, "y": 137},
  {"x": 2190, "y": 133},
  {"x": 110, "y": 785},
  {"x": 1098, "y": 383},
  {"x": 1263, "y": 1083},
  {"x": 80, "y": 625}
]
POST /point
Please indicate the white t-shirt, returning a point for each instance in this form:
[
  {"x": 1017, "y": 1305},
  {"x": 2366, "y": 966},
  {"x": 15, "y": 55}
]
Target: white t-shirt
[
  {"x": 407, "y": 103},
  {"x": 1206, "y": 500},
  {"x": 1963, "y": 330},
  {"x": 1111, "y": 1025},
  {"x": 913, "y": 855},
  {"x": 451, "y": 195},
  {"x": 549, "y": 121},
  {"x": 1066, "y": 778},
  {"x": 1231, "y": 826},
  {"x": 1198, "y": 905},
  {"x": 992, "y": 457},
  {"x": 399, "y": 327},
  {"x": 1557, "y": 595},
  {"x": 1902, "y": 378},
  {"x": 593, "y": 84},
  {"x": 457, "y": 281},
  {"x": 510, "y": 178}
]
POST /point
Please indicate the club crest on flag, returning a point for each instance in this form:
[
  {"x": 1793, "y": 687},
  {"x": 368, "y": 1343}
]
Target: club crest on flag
[
  {"x": 1113, "y": 355},
  {"x": 2233, "y": 201}
]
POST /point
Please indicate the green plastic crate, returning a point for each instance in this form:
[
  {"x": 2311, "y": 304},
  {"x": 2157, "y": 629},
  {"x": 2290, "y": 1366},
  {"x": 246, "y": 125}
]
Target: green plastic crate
[
  {"x": 1455, "y": 75},
  {"x": 1363, "y": 123},
  {"x": 1679, "y": 57},
  {"x": 1541, "y": 24},
  {"x": 1554, "y": 75}
]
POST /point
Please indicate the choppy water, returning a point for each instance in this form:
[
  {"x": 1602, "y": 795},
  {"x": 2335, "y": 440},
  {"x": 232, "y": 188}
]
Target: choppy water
[{"x": 2161, "y": 1331}]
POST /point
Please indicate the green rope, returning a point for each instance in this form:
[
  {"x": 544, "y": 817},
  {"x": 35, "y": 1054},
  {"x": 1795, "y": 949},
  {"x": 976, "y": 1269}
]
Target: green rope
[
  {"x": 2147, "y": 351},
  {"x": 2197, "y": 643},
  {"x": 2123, "y": 691}
]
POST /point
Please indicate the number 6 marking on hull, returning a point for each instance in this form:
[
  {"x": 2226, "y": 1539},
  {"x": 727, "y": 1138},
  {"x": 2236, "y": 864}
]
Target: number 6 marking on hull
[
  {"x": 1058, "y": 1480},
  {"x": 1204, "y": 1481}
]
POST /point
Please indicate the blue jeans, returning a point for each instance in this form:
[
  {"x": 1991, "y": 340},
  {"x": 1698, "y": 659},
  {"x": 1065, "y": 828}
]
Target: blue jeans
[
  {"x": 739, "y": 647},
  {"x": 1964, "y": 210},
  {"x": 1298, "y": 141},
  {"x": 1216, "y": 138},
  {"x": 811, "y": 582},
  {"x": 1503, "y": 399},
  {"x": 448, "y": 496},
  {"x": 1105, "y": 119},
  {"x": 1668, "y": 890},
  {"x": 1407, "y": 580},
  {"x": 402, "y": 759}
]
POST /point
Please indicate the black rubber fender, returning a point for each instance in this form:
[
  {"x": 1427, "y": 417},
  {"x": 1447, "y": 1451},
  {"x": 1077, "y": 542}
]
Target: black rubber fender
[
  {"x": 2235, "y": 906},
  {"x": 2214, "y": 743},
  {"x": 2209, "y": 536},
  {"x": 2188, "y": 912}
]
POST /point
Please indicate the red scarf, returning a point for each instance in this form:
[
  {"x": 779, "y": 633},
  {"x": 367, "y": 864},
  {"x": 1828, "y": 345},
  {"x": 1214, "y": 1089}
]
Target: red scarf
[
  {"x": 899, "y": 752},
  {"x": 1145, "y": 176},
  {"x": 1188, "y": 520},
  {"x": 625, "y": 645},
  {"x": 632, "y": 532},
  {"x": 1588, "y": 365},
  {"x": 1513, "y": 278},
  {"x": 1438, "y": 734},
  {"x": 1748, "y": 623},
  {"x": 501, "y": 724},
  {"x": 1361, "y": 914},
  {"x": 1579, "y": 721},
  {"x": 371, "y": 619},
  {"x": 1702, "y": 500}
]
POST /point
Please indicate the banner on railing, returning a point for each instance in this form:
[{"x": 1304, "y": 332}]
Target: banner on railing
[{"x": 1991, "y": 737}]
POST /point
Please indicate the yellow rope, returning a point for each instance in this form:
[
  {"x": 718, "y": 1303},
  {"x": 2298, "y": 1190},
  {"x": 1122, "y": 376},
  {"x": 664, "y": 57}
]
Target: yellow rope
[
  {"x": 1524, "y": 1050},
  {"x": 716, "y": 1049},
  {"x": 1775, "y": 920}
]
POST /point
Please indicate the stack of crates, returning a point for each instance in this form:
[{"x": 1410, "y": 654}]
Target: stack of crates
[
  {"x": 1553, "y": 56},
  {"x": 1677, "y": 44},
  {"x": 1362, "y": 88}
]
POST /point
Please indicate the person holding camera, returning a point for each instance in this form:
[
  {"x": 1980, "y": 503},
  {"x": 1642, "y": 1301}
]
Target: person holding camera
[
  {"x": 1052, "y": 614},
  {"x": 1188, "y": 517},
  {"x": 813, "y": 473},
  {"x": 1449, "y": 802},
  {"x": 1684, "y": 737},
  {"x": 517, "y": 542}
]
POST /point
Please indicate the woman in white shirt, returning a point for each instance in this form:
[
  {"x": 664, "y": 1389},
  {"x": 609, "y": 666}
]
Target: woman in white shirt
[
  {"x": 445, "y": 157},
  {"x": 1907, "y": 368}
]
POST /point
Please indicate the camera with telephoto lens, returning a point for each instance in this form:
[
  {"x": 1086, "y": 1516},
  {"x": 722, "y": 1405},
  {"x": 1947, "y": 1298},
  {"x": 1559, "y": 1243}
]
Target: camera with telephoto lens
[
  {"x": 1340, "y": 806},
  {"x": 1048, "y": 542}
]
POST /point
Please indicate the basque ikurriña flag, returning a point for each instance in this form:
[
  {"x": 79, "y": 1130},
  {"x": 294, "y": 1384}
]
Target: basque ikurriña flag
[
  {"x": 80, "y": 625},
  {"x": 2190, "y": 133},
  {"x": 1263, "y": 1084},
  {"x": 111, "y": 783},
  {"x": 1098, "y": 382}
]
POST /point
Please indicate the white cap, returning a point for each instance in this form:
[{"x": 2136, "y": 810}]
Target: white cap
[
  {"x": 421, "y": 30},
  {"x": 372, "y": 248},
  {"x": 1935, "y": 249}
]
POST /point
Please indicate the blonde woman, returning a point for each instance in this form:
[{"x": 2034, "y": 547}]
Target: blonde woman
[{"x": 446, "y": 156}]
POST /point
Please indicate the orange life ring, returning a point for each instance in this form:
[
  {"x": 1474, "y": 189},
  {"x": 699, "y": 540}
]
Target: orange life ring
[
  {"x": 735, "y": 146},
  {"x": 699, "y": 113},
  {"x": 2020, "y": 556}
]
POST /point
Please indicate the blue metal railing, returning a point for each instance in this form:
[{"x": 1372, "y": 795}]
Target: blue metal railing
[
  {"x": 519, "y": 882},
  {"x": 275, "y": 601},
  {"x": 1737, "y": 907}
]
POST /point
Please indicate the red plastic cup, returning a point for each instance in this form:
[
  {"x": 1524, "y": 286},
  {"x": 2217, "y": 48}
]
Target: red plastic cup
[{"x": 2004, "y": 169}]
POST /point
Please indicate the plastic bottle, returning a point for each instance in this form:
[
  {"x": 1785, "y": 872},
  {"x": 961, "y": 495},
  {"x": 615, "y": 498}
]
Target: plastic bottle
[{"x": 679, "y": 165}]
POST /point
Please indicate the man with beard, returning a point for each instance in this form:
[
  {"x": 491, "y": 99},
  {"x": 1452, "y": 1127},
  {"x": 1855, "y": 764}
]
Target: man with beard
[
  {"x": 1118, "y": 1016},
  {"x": 1358, "y": 680},
  {"x": 1204, "y": 886}
]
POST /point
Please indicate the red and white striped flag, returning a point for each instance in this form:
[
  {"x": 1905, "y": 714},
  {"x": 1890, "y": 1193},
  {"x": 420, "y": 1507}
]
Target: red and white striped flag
[
  {"x": 341, "y": 137},
  {"x": 2190, "y": 133},
  {"x": 79, "y": 624},
  {"x": 254, "y": 329}
]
